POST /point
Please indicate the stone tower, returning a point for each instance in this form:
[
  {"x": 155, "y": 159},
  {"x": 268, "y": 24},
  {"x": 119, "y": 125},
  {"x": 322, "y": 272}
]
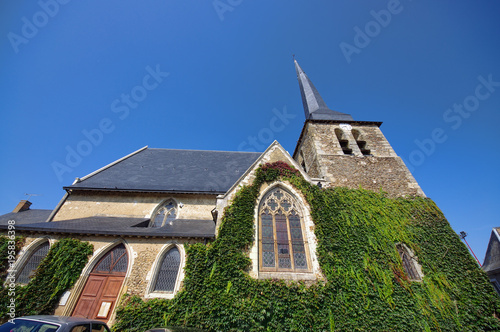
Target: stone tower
[{"x": 348, "y": 153}]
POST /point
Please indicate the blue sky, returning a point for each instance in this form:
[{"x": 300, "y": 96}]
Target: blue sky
[{"x": 85, "y": 83}]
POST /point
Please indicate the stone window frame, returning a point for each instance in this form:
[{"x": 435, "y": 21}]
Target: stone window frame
[
  {"x": 314, "y": 271},
  {"x": 26, "y": 253},
  {"x": 413, "y": 261},
  {"x": 155, "y": 270},
  {"x": 158, "y": 207}
]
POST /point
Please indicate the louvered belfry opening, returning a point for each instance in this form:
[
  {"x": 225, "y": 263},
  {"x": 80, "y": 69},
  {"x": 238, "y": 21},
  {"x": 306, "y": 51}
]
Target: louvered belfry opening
[
  {"x": 363, "y": 147},
  {"x": 343, "y": 141},
  {"x": 282, "y": 241},
  {"x": 168, "y": 271},
  {"x": 114, "y": 262},
  {"x": 32, "y": 263}
]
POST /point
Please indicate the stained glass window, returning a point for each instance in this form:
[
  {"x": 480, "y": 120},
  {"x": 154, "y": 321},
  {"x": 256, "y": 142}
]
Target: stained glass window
[
  {"x": 409, "y": 263},
  {"x": 167, "y": 273},
  {"x": 165, "y": 214},
  {"x": 32, "y": 263},
  {"x": 115, "y": 261},
  {"x": 282, "y": 245}
]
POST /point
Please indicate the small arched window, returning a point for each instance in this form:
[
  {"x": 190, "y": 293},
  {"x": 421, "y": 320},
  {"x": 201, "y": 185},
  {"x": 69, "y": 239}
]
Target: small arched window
[
  {"x": 165, "y": 214},
  {"x": 168, "y": 271},
  {"x": 409, "y": 262},
  {"x": 282, "y": 244},
  {"x": 36, "y": 257},
  {"x": 361, "y": 143},
  {"x": 343, "y": 141}
]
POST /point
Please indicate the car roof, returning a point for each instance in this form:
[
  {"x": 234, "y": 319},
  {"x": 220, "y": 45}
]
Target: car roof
[{"x": 62, "y": 320}]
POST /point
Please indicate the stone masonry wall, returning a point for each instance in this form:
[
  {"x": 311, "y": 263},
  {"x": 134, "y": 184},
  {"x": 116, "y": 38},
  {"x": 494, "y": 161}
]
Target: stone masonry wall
[
  {"x": 382, "y": 170},
  {"x": 142, "y": 255},
  {"x": 89, "y": 203}
]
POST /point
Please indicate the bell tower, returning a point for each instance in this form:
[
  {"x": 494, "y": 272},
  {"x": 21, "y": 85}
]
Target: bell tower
[{"x": 348, "y": 153}]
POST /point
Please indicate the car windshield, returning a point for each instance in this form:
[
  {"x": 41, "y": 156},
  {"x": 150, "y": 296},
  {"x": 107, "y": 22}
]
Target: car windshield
[{"x": 24, "y": 325}]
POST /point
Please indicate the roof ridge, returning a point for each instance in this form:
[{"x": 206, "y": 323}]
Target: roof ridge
[
  {"x": 109, "y": 165},
  {"x": 197, "y": 150}
]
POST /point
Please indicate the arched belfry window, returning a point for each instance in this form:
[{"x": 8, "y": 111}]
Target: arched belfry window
[
  {"x": 282, "y": 242},
  {"x": 36, "y": 257},
  {"x": 165, "y": 214},
  {"x": 168, "y": 271},
  {"x": 409, "y": 262},
  {"x": 343, "y": 141},
  {"x": 363, "y": 147}
]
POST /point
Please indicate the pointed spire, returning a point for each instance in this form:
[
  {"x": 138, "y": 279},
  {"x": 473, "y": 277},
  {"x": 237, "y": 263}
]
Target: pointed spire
[{"x": 314, "y": 106}]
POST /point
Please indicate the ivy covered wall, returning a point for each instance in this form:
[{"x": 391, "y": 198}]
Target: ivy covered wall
[
  {"x": 366, "y": 288},
  {"x": 56, "y": 274}
]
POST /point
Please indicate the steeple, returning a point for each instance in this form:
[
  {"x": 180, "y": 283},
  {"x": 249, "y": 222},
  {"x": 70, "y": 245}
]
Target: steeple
[{"x": 314, "y": 106}]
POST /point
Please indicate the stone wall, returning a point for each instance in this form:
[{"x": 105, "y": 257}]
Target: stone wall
[
  {"x": 81, "y": 204},
  {"x": 381, "y": 170},
  {"x": 142, "y": 254}
]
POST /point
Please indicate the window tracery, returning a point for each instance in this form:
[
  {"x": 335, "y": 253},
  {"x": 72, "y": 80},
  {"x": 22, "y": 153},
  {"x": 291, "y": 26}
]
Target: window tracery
[
  {"x": 165, "y": 214},
  {"x": 283, "y": 246}
]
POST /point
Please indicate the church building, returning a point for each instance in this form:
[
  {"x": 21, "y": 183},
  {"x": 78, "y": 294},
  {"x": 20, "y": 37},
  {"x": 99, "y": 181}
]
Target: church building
[{"x": 142, "y": 211}]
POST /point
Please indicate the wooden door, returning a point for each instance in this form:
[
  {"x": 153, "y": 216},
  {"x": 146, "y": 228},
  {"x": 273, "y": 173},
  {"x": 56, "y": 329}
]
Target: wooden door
[{"x": 99, "y": 296}]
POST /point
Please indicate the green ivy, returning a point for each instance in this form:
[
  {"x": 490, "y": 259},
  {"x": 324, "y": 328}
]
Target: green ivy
[
  {"x": 9, "y": 248},
  {"x": 57, "y": 273},
  {"x": 366, "y": 288}
]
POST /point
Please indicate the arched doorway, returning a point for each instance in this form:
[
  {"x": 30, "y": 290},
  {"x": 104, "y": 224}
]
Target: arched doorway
[{"x": 100, "y": 293}]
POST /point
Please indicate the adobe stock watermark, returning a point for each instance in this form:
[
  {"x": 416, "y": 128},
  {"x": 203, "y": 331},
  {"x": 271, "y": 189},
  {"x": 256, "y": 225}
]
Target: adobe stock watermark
[
  {"x": 30, "y": 27},
  {"x": 363, "y": 37},
  {"x": 223, "y": 6},
  {"x": 10, "y": 282},
  {"x": 454, "y": 116},
  {"x": 265, "y": 136},
  {"x": 122, "y": 107}
]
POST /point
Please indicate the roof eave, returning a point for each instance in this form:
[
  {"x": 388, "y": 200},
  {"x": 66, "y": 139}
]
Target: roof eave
[
  {"x": 71, "y": 188},
  {"x": 111, "y": 233}
]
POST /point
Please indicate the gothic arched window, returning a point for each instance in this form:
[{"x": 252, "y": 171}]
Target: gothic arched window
[
  {"x": 168, "y": 271},
  {"x": 165, "y": 214},
  {"x": 36, "y": 257},
  {"x": 282, "y": 244},
  {"x": 409, "y": 262}
]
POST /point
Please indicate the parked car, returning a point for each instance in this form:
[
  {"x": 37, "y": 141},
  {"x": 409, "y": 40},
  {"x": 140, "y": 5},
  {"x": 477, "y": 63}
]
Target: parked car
[{"x": 54, "y": 324}]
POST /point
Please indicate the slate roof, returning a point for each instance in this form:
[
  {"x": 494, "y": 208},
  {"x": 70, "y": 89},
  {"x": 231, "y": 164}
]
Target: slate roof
[
  {"x": 168, "y": 170},
  {"x": 314, "y": 106},
  {"x": 492, "y": 256},
  {"x": 26, "y": 217},
  {"x": 122, "y": 226}
]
